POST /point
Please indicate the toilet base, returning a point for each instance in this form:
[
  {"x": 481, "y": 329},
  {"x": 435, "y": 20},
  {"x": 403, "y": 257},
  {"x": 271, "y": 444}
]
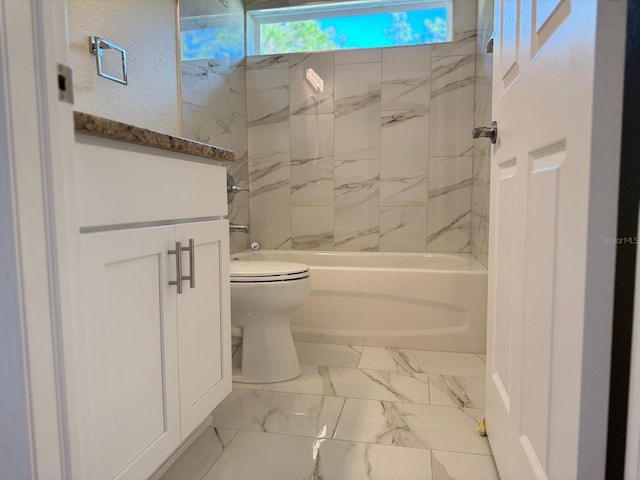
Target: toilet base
[{"x": 268, "y": 354}]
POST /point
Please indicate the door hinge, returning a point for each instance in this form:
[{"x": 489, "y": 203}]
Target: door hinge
[{"x": 65, "y": 84}]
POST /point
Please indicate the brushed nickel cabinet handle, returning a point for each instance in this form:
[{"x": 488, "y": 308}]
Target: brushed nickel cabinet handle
[
  {"x": 178, "y": 253},
  {"x": 192, "y": 263}
]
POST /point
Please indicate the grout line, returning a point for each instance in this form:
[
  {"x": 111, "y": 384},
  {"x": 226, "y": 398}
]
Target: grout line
[
  {"x": 431, "y": 456},
  {"x": 434, "y": 450},
  {"x": 456, "y": 407},
  {"x": 214, "y": 464},
  {"x": 296, "y": 435},
  {"x": 356, "y": 369},
  {"x": 221, "y": 452},
  {"x": 335, "y": 429},
  {"x": 474, "y": 354}
]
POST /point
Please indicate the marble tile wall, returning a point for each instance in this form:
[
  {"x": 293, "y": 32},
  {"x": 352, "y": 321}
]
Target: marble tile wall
[
  {"x": 214, "y": 108},
  {"x": 379, "y": 160},
  {"x": 482, "y": 148}
]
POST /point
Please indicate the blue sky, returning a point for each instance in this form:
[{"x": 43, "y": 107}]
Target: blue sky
[
  {"x": 361, "y": 31},
  {"x": 368, "y": 30}
]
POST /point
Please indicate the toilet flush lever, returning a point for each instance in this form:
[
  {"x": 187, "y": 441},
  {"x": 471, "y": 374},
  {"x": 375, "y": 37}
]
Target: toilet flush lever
[{"x": 490, "y": 132}]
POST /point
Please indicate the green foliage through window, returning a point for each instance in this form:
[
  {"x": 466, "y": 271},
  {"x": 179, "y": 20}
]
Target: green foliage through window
[
  {"x": 342, "y": 26},
  {"x": 303, "y": 35}
]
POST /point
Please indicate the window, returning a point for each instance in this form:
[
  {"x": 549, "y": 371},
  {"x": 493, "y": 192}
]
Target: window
[
  {"x": 344, "y": 25},
  {"x": 211, "y": 36}
]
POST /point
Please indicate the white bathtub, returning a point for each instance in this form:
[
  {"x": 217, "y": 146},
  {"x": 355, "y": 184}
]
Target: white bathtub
[{"x": 405, "y": 300}]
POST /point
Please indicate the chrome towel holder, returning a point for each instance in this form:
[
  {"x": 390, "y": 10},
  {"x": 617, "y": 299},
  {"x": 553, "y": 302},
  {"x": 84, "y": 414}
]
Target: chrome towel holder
[{"x": 96, "y": 47}]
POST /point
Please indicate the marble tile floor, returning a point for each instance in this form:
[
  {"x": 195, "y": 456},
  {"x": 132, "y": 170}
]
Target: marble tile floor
[{"x": 355, "y": 413}]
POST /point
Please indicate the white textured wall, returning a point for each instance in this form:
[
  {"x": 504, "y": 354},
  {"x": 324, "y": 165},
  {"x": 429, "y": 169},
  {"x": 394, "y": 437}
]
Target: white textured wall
[{"x": 147, "y": 30}]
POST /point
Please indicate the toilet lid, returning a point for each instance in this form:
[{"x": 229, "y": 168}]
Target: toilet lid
[{"x": 263, "y": 271}]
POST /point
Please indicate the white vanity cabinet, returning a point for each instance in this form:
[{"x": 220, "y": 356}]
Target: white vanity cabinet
[
  {"x": 132, "y": 405},
  {"x": 201, "y": 356},
  {"x": 157, "y": 360}
]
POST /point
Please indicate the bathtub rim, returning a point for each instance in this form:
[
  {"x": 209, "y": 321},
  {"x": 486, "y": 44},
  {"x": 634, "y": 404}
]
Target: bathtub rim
[{"x": 473, "y": 265}]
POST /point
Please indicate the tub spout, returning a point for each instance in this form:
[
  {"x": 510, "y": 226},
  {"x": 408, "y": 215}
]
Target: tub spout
[{"x": 234, "y": 227}]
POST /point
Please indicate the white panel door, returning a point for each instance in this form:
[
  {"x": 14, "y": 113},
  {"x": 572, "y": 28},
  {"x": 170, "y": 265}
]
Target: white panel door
[
  {"x": 204, "y": 323},
  {"x": 632, "y": 461},
  {"x": 129, "y": 321},
  {"x": 553, "y": 199}
]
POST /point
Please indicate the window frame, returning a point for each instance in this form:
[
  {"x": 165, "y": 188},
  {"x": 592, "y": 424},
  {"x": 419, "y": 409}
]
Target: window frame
[{"x": 258, "y": 17}]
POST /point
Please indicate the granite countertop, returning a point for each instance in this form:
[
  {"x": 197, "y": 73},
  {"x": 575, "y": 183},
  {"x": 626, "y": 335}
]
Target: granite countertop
[{"x": 103, "y": 127}]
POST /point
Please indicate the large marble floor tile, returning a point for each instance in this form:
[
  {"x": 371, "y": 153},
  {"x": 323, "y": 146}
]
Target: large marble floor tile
[
  {"x": 380, "y": 385},
  {"x": 200, "y": 455},
  {"x": 310, "y": 382},
  {"x": 463, "y": 466},
  {"x": 346, "y": 460},
  {"x": 409, "y": 425},
  {"x": 276, "y": 412},
  {"x": 454, "y": 391},
  {"x": 328, "y": 355},
  {"x": 422, "y": 361},
  {"x": 257, "y": 456},
  {"x": 354, "y": 383},
  {"x": 264, "y": 456}
]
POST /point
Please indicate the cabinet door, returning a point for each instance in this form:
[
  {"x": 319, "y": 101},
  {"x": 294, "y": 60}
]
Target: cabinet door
[
  {"x": 129, "y": 326},
  {"x": 204, "y": 326}
]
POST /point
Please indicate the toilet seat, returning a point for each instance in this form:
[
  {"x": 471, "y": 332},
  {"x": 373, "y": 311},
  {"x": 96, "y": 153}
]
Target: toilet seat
[{"x": 265, "y": 271}]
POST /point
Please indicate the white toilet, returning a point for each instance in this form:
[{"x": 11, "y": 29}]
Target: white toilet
[{"x": 264, "y": 295}]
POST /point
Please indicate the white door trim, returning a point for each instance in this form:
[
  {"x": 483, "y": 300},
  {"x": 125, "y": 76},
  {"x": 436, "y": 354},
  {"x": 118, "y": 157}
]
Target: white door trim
[
  {"x": 15, "y": 454},
  {"x": 35, "y": 134},
  {"x": 604, "y": 60},
  {"x": 632, "y": 457}
]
